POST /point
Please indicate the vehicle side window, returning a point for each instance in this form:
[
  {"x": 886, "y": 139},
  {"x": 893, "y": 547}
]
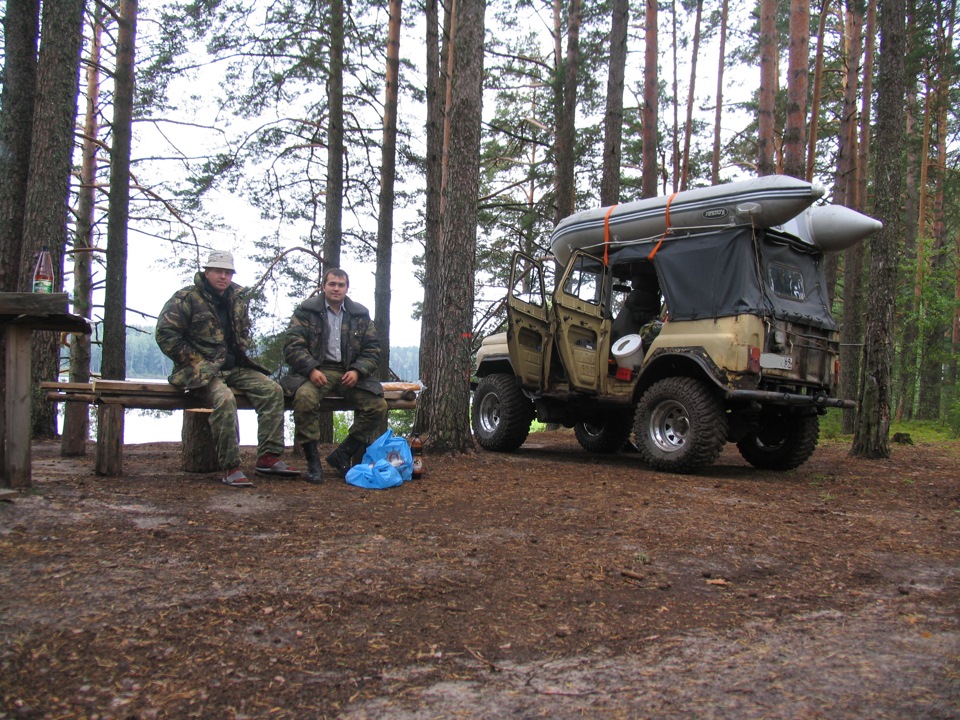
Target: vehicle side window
[
  {"x": 584, "y": 280},
  {"x": 786, "y": 282},
  {"x": 528, "y": 282}
]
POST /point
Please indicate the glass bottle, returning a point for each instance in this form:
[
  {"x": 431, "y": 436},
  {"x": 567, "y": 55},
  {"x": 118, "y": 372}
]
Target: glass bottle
[{"x": 43, "y": 272}]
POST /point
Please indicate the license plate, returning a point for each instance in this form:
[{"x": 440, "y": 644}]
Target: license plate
[{"x": 776, "y": 362}]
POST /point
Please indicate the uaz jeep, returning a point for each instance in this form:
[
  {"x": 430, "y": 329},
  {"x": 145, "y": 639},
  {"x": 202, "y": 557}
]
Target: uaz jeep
[{"x": 725, "y": 325}]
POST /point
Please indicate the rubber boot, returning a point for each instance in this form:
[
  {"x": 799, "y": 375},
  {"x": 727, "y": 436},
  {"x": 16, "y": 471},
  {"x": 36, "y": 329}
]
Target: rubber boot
[
  {"x": 314, "y": 466},
  {"x": 342, "y": 457}
]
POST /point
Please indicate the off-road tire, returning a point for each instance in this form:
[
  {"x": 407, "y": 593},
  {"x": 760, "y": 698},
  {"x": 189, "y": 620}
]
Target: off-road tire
[
  {"x": 501, "y": 413},
  {"x": 782, "y": 442},
  {"x": 606, "y": 437},
  {"x": 680, "y": 425}
]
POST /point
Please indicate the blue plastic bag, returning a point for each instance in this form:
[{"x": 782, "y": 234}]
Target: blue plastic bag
[
  {"x": 394, "y": 450},
  {"x": 377, "y": 476}
]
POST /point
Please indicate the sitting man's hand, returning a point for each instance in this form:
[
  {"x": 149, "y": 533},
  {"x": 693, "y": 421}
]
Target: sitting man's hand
[
  {"x": 318, "y": 378},
  {"x": 350, "y": 379}
]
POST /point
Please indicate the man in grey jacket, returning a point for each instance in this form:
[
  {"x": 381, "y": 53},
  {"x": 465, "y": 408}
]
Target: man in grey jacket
[{"x": 331, "y": 344}]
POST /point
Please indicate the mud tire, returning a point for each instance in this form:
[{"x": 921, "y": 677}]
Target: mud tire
[
  {"x": 680, "y": 425},
  {"x": 783, "y": 442},
  {"x": 607, "y": 437},
  {"x": 501, "y": 413}
]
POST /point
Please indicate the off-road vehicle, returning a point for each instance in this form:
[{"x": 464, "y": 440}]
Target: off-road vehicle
[{"x": 728, "y": 298}]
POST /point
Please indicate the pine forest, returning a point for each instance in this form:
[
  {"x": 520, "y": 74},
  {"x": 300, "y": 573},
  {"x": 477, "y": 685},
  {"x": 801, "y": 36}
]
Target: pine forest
[{"x": 459, "y": 134}]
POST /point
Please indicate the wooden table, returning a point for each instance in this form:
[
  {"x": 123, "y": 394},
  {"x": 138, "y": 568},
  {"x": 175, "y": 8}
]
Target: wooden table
[{"x": 20, "y": 315}]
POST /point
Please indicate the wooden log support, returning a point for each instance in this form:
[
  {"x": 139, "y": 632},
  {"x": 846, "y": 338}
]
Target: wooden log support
[{"x": 199, "y": 449}]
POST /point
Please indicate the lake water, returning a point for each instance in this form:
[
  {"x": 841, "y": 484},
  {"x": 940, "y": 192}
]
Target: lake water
[{"x": 147, "y": 426}]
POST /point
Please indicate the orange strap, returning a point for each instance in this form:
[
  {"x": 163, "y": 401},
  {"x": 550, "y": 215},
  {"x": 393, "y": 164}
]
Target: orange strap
[
  {"x": 606, "y": 236},
  {"x": 666, "y": 231}
]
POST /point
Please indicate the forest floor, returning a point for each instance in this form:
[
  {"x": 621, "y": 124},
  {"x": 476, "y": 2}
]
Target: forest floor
[{"x": 544, "y": 583}]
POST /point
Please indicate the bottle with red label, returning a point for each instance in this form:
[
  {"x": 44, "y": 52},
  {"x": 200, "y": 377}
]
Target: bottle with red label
[
  {"x": 43, "y": 272},
  {"x": 416, "y": 449}
]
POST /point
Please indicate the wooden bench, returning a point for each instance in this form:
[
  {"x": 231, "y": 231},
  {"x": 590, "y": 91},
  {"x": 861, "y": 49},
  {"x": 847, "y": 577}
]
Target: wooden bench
[{"x": 198, "y": 454}]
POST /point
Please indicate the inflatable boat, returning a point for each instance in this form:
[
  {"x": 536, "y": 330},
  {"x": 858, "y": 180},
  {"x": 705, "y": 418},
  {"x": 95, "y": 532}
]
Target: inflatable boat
[{"x": 764, "y": 202}]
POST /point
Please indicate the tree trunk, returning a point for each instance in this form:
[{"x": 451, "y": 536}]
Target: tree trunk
[
  {"x": 387, "y": 179},
  {"x": 871, "y": 437},
  {"x": 21, "y": 32},
  {"x": 675, "y": 142},
  {"x": 566, "y": 122},
  {"x": 798, "y": 68},
  {"x": 691, "y": 95},
  {"x": 718, "y": 111},
  {"x": 114, "y": 367},
  {"x": 817, "y": 91},
  {"x": 436, "y": 112},
  {"x": 449, "y": 409},
  {"x": 613, "y": 118},
  {"x": 333, "y": 198},
  {"x": 766, "y": 118},
  {"x": 907, "y": 358},
  {"x": 48, "y": 185},
  {"x": 651, "y": 102},
  {"x": 76, "y": 416}
]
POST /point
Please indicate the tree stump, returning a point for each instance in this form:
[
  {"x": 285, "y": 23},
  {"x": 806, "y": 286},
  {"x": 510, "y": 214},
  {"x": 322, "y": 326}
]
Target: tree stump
[
  {"x": 109, "y": 457},
  {"x": 199, "y": 450}
]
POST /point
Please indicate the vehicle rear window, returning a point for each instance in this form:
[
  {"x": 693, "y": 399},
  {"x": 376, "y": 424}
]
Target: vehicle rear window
[{"x": 787, "y": 282}]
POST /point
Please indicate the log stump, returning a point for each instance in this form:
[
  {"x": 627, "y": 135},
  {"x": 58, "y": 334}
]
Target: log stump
[
  {"x": 109, "y": 456},
  {"x": 199, "y": 450}
]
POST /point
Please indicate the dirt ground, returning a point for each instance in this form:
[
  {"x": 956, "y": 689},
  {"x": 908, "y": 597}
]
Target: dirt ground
[{"x": 546, "y": 583}]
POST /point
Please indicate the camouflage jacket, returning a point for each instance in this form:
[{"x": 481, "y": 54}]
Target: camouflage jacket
[
  {"x": 189, "y": 333},
  {"x": 307, "y": 336}
]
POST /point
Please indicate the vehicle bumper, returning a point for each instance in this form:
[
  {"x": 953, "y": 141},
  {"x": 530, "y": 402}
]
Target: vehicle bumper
[{"x": 769, "y": 397}]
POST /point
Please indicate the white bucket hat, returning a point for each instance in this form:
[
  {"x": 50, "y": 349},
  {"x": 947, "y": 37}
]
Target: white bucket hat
[{"x": 220, "y": 259}]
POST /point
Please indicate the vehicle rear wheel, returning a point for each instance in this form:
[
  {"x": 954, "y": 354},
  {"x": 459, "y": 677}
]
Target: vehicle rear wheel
[
  {"x": 680, "y": 425},
  {"x": 607, "y": 436},
  {"x": 501, "y": 414},
  {"x": 783, "y": 441}
]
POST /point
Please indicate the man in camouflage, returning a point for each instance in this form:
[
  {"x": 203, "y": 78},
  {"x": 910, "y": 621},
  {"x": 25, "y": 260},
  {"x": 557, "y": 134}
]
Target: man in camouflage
[
  {"x": 205, "y": 329},
  {"x": 331, "y": 344}
]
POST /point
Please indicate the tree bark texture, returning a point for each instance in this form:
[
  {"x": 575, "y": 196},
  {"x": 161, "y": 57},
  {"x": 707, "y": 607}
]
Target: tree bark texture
[
  {"x": 449, "y": 403},
  {"x": 816, "y": 94},
  {"x": 436, "y": 110},
  {"x": 613, "y": 118},
  {"x": 388, "y": 168},
  {"x": 766, "y": 132},
  {"x": 871, "y": 438},
  {"x": 651, "y": 110},
  {"x": 691, "y": 95},
  {"x": 76, "y": 416},
  {"x": 333, "y": 205},
  {"x": 199, "y": 448},
  {"x": 798, "y": 70},
  {"x": 718, "y": 111},
  {"x": 566, "y": 136},
  {"x": 48, "y": 184},
  {"x": 21, "y": 32}
]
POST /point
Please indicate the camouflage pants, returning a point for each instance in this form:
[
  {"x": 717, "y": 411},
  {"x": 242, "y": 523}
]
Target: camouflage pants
[
  {"x": 267, "y": 399},
  {"x": 369, "y": 416}
]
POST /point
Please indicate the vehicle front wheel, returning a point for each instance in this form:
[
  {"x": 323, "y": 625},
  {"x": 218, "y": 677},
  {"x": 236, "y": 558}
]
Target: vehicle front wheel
[
  {"x": 782, "y": 441},
  {"x": 501, "y": 414},
  {"x": 607, "y": 436},
  {"x": 680, "y": 425}
]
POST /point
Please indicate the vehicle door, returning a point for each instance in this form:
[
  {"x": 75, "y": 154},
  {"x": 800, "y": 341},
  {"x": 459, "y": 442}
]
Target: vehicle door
[
  {"x": 581, "y": 336},
  {"x": 528, "y": 324}
]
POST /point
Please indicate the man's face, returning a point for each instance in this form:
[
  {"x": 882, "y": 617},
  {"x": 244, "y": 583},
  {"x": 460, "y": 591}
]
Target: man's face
[
  {"x": 218, "y": 278},
  {"x": 335, "y": 289}
]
